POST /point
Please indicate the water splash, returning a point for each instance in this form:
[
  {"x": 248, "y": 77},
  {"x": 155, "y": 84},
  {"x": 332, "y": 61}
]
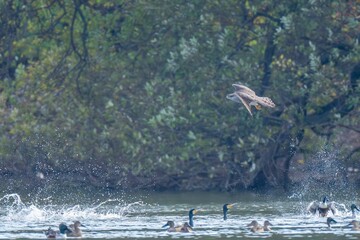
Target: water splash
[
  {"x": 323, "y": 174},
  {"x": 12, "y": 208},
  {"x": 13, "y": 200}
]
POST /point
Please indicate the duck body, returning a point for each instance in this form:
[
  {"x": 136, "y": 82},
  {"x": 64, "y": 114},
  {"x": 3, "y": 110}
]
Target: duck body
[
  {"x": 75, "y": 229},
  {"x": 172, "y": 227},
  {"x": 355, "y": 225},
  {"x": 248, "y": 97},
  {"x": 186, "y": 228},
  {"x": 50, "y": 233},
  {"x": 62, "y": 233},
  {"x": 182, "y": 228},
  {"x": 322, "y": 208}
]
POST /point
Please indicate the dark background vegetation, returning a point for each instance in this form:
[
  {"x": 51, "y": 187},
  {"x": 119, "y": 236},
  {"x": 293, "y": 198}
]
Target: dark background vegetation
[{"x": 131, "y": 94}]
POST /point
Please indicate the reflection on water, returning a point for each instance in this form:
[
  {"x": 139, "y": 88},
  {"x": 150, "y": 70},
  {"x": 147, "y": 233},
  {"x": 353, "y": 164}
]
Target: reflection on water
[{"x": 142, "y": 215}]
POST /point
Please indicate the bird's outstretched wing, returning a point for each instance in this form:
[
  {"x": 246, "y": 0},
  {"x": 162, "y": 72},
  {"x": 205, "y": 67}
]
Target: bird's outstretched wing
[
  {"x": 246, "y": 104},
  {"x": 333, "y": 208},
  {"x": 313, "y": 207},
  {"x": 242, "y": 88}
]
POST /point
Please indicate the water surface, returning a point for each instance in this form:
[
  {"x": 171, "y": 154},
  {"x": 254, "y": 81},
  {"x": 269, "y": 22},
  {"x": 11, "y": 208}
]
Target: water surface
[{"x": 141, "y": 216}]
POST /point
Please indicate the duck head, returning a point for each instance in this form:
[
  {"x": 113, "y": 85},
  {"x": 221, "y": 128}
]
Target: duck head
[
  {"x": 253, "y": 224},
  {"x": 267, "y": 223},
  {"x": 170, "y": 224},
  {"x": 353, "y": 207},
  {"x": 77, "y": 224},
  {"x": 233, "y": 97},
  {"x": 324, "y": 202}
]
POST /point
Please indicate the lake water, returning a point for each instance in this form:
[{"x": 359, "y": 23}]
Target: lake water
[{"x": 142, "y": 215}]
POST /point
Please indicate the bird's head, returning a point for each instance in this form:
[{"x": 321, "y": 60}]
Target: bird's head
[
  {"x": 192, "y": 212},
  {"x": 353, "y": 207},
  {"x": 169, "y": 224},
  {"x": 227, "y": 206},
  {"x": 232, "y": 97}
]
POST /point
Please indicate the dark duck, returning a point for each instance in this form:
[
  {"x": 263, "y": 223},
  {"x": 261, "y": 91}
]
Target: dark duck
[{"x": 226, "y": 208}]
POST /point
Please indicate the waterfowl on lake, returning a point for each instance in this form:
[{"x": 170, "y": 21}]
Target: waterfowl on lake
[
  {"x": 186, "y": 228},
  {"x": 172, "y": 227},
  {"x": 192, "y": 212},
  {"x": 355, "y": 225},
  {"x": 248, "y": 97},
  {"x": 330, "y": 220},
  {"x": 322, "y": 207},
  {"x": 226, "y": 208},
  {"x": 256, "y": 227},
  {"x": 50, "y": 233},
  {"x": 267, "y": 225},
  {"x": 63, "y": 231},
  {"x": 75, "y": 229},
  {"x": 353, "y": 207}
]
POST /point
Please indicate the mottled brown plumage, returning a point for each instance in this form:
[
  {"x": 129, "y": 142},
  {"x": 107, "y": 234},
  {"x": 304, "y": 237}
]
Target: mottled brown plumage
[
  {"x": 248, "y": 97},
  {"x": 75, "y": 229}
]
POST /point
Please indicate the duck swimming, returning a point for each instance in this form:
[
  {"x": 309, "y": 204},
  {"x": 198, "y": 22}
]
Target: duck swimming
[
  {"x": 256, "y": 227},
  {"x": 75, "y": 229},
  {"x": 226, "y": 208},
  {"x": 186, "y": 227},
  {"x": 355, "y": 225},
  {"x": 172, "y": 227},
  {"x": 323, "y": 207},
  {"x": 63, "y": 231},
  {"x": 248, "y": 97},
  {"x": 267, "y": 225},
  {"x": 330, "y": 220}
]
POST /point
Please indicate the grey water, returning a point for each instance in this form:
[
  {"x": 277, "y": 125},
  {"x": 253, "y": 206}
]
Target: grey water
[{"x": 141, "y": 215}]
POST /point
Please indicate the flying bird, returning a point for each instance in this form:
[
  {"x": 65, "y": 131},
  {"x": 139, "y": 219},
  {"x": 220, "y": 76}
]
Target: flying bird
[{"x": 248, "y": 97}]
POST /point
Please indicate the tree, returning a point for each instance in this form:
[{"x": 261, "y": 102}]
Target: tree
[{"x": 131, "y": 94}]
